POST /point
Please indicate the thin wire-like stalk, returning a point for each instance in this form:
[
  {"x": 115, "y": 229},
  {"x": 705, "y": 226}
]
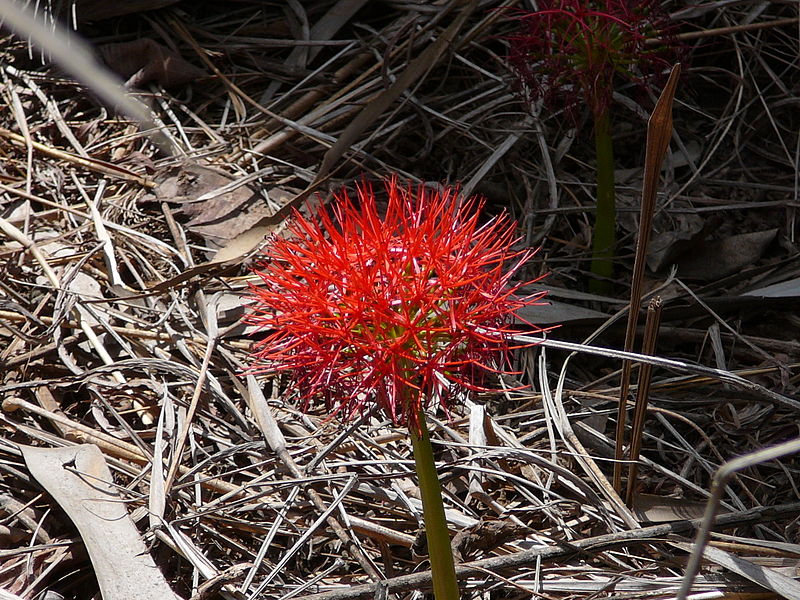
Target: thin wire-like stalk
[
  {"x": 445, "y": 585},
  {"x": 720, "y": 480},
  {"x": 642, "y": 394}
]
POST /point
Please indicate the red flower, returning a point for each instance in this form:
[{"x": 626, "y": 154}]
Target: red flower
[
  {"x": 573, "y": 49},
  {"x": 398, "y": 311}
]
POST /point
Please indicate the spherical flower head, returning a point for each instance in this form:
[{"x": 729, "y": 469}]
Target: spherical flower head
[
  {"x": 400, "y": 310},
  {"x": 573, "y": 50}
]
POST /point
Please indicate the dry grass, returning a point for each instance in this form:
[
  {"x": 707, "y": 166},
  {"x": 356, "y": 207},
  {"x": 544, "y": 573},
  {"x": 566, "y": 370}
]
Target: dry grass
[{"x": 121, "y": 327}]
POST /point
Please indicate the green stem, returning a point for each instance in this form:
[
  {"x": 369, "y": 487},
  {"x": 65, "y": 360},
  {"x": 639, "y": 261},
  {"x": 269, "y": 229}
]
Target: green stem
[
  {"x": 445, "y": 586},
  {"x": 604, "y": 242}
]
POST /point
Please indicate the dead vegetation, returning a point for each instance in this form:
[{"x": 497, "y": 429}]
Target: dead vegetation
[{"x": 124, "y": 268}]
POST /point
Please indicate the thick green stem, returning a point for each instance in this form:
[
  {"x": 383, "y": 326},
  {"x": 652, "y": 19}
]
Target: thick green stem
[
  {"x": 445, "y": 586},
  {"x": 604, "y": 242}
]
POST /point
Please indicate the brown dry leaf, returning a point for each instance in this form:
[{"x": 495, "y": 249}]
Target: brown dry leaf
[
  {"x": 188, "y": 183},
  {"x": 553, "y": 312},
  {"x": 717, "y": 259},
  {"x": 245, "y": 244},
  {"x": 486, "y": 535},
  {"x": 242, "y": 246},
  {"x": 228, "y": 257},
  {"x": 652, "y": 508},
  {"x": 79, "y": 480},
  {"x": 220, "y": 234},
  {"x": 668, "y": 246},
  {"x": 221, "y": 217},
  {"x": 146, "y": 61}
]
